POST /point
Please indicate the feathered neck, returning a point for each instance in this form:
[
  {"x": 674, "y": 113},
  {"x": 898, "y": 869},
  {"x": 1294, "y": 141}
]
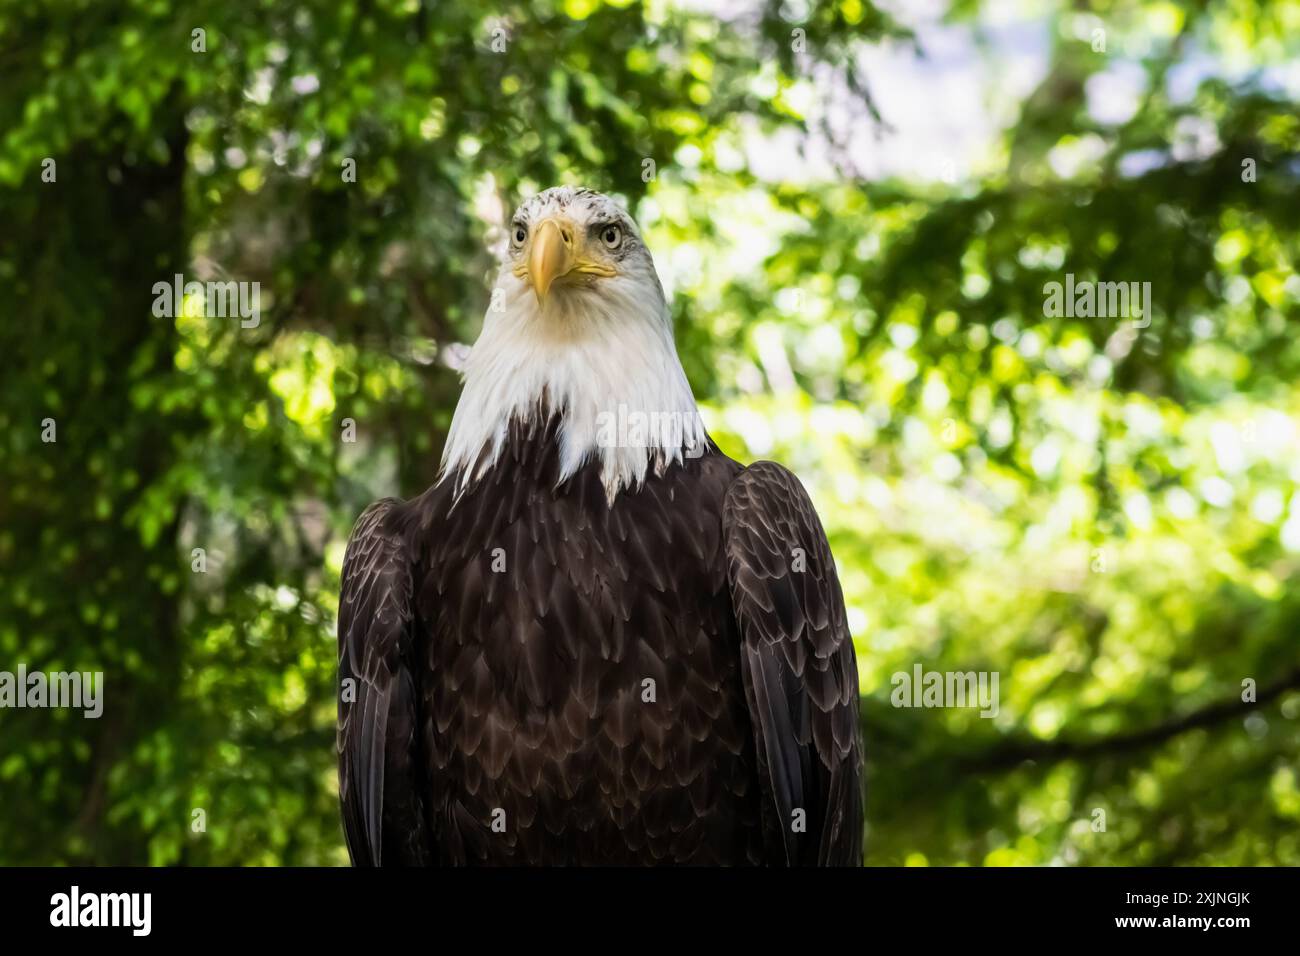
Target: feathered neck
[{"x": 603, "y": 359}]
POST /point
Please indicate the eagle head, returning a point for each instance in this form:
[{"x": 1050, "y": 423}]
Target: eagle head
[
  {"x": 578, "y": 327},
  {"x": 580, "y": 250}
]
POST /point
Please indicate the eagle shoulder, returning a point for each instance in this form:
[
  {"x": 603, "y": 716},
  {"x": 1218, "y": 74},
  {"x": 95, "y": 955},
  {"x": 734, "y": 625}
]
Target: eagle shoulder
[
  {"x": 797, "y": 665},
  {"x": 383, "y": 818}
]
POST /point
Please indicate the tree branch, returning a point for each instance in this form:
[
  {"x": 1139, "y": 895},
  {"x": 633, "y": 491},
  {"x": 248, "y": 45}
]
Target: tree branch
[{"x": 1013, "y": 753}]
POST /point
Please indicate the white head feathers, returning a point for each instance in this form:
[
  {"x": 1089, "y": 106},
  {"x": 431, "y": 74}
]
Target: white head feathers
[{"x": 596, "y": 343}]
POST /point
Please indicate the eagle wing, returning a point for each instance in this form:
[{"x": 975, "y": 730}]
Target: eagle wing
[
  {"x": 798, "y": 666},
  {"x": 383, "y": 815}
]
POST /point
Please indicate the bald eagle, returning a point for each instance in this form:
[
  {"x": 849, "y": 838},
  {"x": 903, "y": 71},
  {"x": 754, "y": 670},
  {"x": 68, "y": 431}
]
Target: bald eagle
[{"x": 595, "y": 639}]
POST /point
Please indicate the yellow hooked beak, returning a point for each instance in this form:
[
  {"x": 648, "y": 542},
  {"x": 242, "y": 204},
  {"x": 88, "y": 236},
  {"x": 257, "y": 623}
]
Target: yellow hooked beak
[
  {"x": 550, "y": 256},
  {"x": 558, "y": 248}
]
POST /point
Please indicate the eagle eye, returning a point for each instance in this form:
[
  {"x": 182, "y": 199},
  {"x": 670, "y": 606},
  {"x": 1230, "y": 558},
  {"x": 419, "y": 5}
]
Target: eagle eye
[
  {"x": 611, "y": 236},
  {"x": 519, "y": 234}
]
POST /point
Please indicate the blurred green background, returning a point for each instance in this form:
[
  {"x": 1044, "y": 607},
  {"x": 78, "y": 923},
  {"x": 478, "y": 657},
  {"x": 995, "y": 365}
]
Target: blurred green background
[{"x": 856, "y": 209}]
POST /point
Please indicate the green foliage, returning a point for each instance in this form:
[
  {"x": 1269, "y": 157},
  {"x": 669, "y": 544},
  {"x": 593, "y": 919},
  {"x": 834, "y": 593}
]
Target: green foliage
[{"x": 1108, "y": 518}]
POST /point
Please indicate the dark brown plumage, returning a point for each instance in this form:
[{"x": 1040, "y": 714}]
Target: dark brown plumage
[{"x": 517, "y": 693}]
